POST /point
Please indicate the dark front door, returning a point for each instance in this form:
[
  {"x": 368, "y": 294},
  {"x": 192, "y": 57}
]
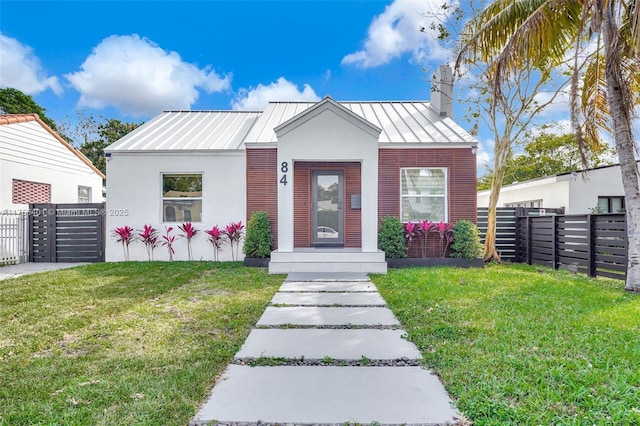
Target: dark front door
[{"x": 327, "y": 216}]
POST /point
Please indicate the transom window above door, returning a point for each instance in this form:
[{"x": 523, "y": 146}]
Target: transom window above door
[{"x": 423, "y": 194}]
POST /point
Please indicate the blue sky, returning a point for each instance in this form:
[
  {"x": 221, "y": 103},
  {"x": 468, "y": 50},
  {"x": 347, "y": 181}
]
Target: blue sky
[{"x": 132, "y": 60}]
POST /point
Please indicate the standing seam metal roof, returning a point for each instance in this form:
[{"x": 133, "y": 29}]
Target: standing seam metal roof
[
  {"x": 401, "y": 122},
  {"x": 190, "y": 130}
]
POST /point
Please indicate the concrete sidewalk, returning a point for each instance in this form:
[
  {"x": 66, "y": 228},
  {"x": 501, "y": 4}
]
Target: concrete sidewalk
[
  {"x": 14, "y": 271},
  {"x": 346, "y": 363}
]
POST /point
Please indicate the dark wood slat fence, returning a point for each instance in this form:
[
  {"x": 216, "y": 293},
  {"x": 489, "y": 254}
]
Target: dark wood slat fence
[
  {"x": 595, "y": 245},
  {"x": 67, "y": 232}
]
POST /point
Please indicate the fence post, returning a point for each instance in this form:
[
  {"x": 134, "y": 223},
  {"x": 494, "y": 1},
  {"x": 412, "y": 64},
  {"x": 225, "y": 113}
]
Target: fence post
[
  {"x": 529, "y": 242},
  {"x": 554, "y": 242},
  {"x": 591, "y": 259}
]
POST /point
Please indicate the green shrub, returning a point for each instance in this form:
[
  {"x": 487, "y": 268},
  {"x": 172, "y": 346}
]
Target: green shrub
[
  {"x": 466, "y": 241},
  {"x": 391, "y": 238},
  {"x": 258, "y": 239}
]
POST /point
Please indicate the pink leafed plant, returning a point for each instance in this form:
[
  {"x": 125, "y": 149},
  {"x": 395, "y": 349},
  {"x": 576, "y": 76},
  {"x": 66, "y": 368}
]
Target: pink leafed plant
[
  {"x": 445, "y": 230},
  {"x": 168, "y": 241},
  {"x": 216, "y": 237},
  {"x": 411, "y": 232},
  {"x": 124, "y": 235},
  {"x": 149, "y": 237},
  {"x": 425, "y": 226},
  {"x": 233, "y": 232},
  {"x": 188, "y": 232}
]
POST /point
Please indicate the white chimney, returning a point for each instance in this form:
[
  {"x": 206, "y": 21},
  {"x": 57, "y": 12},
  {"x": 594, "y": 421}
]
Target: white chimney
[{"x": 442, "y": 91}]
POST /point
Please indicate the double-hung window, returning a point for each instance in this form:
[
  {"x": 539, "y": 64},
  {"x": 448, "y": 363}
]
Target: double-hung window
[
  {"x": 181, "y": 197},
  {"x": 423, "y": 194}
]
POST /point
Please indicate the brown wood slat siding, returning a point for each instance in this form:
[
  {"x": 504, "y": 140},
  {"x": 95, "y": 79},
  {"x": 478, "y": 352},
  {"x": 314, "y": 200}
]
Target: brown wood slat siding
[
  {"x": 262, "y": 185},
  {"x": 302, "y": 202},
  {"x": 461, "y": 165},
  {"x": 461, "y": 172}
]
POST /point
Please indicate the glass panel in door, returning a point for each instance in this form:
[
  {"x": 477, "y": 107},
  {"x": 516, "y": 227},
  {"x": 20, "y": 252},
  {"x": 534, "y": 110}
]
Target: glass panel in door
[{"x": 327, "y": 208}]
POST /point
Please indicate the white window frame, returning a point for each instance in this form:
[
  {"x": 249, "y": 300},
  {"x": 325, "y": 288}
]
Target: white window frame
[
  {"x": 163, "y": 198},
  {"x": 90, "y": 193},
  {"x": 445, "y": 170}
]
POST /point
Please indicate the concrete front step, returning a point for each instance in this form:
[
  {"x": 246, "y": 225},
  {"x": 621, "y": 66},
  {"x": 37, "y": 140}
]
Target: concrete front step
[
  {"x": 304, "y": 315},
  {"x": 336, "y": 344},
  {"x": 391, "y": 395},
  {"x": 327, "y": 260},
  {"x": 314, "y": 299},
  {"x": 327, "y": 276},
  {"x": 340, "y": 286}
]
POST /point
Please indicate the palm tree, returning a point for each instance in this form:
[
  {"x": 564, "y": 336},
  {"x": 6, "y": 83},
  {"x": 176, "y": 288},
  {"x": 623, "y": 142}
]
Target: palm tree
[{"x": 604, "y": 38}]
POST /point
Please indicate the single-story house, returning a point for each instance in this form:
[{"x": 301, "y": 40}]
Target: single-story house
[
  {"x": 38, "y": 166},
  {"x": 326, "y": 172},
  {"x": 596, "y": 190}
]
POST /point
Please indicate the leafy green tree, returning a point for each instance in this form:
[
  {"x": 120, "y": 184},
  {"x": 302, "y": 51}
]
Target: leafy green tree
[
  {"x": 108, "y": 132},
  {"x": 13, "y": 101},
  {"x": 547, "y": 155},
  {"x": 508, "y": 35}
]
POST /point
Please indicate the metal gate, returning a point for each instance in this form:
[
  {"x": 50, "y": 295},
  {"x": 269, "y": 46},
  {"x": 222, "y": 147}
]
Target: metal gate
[{"x": 67, "y": 232}]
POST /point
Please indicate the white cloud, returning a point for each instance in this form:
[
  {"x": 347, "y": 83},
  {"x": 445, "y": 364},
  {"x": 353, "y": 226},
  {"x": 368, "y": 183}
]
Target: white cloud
[
  {"x": 281, "y": 90},
  {"x": 21, "y": 69},
  {"x": 484, "y": 155},
  {"x": 396, "y": 31},
  {"x": 140, "y": 78}
]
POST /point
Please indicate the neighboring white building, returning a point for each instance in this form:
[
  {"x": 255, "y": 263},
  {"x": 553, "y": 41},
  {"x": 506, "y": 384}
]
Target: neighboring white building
[
  {"x": 325, "y": 172},
  {"x": 38, "y": 166},
  {"x": 579, "y": 192}
]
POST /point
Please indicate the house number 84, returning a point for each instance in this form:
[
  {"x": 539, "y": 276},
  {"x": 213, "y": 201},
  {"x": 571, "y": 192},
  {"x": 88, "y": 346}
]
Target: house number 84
[{"x": 284, "y": 168}]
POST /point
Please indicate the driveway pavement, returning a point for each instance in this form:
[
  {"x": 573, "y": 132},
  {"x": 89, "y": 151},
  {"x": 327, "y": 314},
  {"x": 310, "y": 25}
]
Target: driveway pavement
[{"x": 13, "y": 271}]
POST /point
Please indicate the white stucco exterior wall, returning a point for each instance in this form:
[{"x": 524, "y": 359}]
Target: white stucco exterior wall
[
  {"x": 329, "y": 136},
  {"x": 29, "y": 152},
  {"x": 134, "y": 198},
  {"x": 585, "y": 189},
  {"x": 578, "y": 193}
]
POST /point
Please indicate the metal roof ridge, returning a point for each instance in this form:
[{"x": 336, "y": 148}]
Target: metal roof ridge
[{"x": 254, "y": 111}]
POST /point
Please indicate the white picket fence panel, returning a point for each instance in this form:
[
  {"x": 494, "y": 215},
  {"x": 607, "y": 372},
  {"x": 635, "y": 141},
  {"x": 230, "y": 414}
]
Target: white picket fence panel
[{"x": 14, "y": 247}]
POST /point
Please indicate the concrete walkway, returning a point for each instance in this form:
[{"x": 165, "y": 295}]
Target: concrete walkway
[
  {"x": 14, "y": 271},
  {"x": 346, "y": 362}
]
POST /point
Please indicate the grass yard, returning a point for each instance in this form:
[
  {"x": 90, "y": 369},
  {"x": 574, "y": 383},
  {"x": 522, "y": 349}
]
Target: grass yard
[
  {"x": 519, "y": 345},
  {"x": 124, "y": 343}
]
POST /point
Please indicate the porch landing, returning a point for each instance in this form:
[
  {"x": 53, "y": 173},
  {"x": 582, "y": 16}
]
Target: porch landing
[{"x": 327, "y": 260}]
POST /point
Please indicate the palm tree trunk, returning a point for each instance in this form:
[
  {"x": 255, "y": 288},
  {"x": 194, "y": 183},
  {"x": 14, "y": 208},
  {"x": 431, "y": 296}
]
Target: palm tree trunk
[{"x": 623, "y": 137}]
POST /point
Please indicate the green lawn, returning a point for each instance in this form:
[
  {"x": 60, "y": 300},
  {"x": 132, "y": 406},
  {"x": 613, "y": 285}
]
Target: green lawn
[
  {"x": 523, "y": 345},
  {"x": 122, "y": 343},
  {"x": 142, "y": 343}
]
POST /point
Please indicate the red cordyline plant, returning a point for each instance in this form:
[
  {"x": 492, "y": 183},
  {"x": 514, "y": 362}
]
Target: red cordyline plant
[
  {"x": 445, "y": 230},
  {"x": 188, "y": 232},
  {"x": 233, "y": 231},
  {"x": 411, "y": 232},
  {"x": 168, "y": 241},
  {"x": 124, "y": 235},
  {"x": 425, "y": 226},
  {"x": 149, "y": 236},
  {"x": 216, "y": 237}
]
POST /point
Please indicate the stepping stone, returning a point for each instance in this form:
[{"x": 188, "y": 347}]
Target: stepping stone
[
  {"x": 312, "y": 299},
  {"x": 391, "y": 395},
  {"x": 303, "y": 315},
  {"x": 340, "y": 286},
  {"x": 327, "y": 276},
  {"x": 337, "y": 344}
]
